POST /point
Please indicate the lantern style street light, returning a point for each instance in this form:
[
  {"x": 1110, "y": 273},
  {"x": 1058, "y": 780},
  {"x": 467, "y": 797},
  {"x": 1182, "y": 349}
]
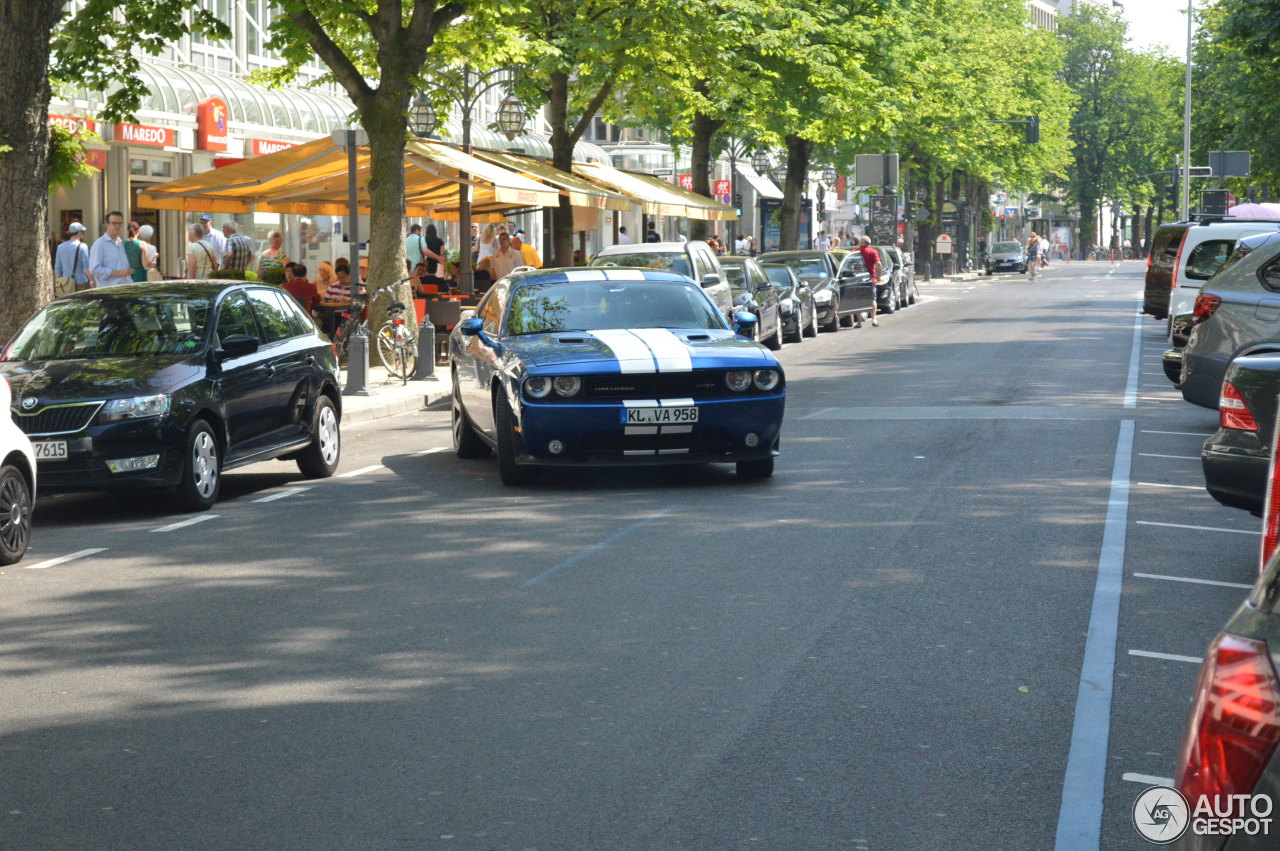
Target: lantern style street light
[
  {"x": 512, "y": 116},
  {"x": 781, "y": 172},
  {"x": 760, "y": 161},
  {"x": 829, "y": 175},
  {"x": 422, "y": 116}
]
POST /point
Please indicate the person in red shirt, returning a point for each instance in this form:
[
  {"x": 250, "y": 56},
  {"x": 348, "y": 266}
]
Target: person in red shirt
[
  {"x": 871, "y": 257},
  {"x": 300, "y": 288}
]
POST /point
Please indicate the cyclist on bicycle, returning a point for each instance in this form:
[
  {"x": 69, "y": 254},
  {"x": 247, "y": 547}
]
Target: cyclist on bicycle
[{"x": 1033, "y": 255}]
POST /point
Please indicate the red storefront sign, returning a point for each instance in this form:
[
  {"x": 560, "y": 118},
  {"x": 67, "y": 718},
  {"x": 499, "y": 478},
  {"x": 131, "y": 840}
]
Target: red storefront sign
[
  {"x": 144, "y": 134},
  {"x": 96, "y": 158},
  {"x": 73, "y": 123},
  {"x": 223, "y": 162},
  {"x": 722, "y": 187},
  {"x": 211, "y": 124},
  {"x": 262, "y": 147},
  {"x": 686, "y": 182},
  {"x": 841, "y": 185}
]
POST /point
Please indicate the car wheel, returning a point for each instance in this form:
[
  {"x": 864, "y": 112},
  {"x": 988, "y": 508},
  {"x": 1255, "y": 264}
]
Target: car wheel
[
  {"x": 15, "y": 515},
  {"x": 891, "y": 304},
  {"x": 834, "y": 323},
  {"x": 775, "y": 339},
  {"x": 846, "y": 321},
  {"x": 811, "y": 330},
  {"x": 509, "y": 471},
  {"x": 201, "y": 469},
  {"x": 466, "y": 443},
  {"x": 759, "y": 468},
  {"x": 798, "y": 335},
  {"x": 320, "y": 459}
]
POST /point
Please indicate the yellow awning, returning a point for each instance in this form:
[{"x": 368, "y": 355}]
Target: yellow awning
[
  {"x": 581, "y": 192},
  {"x": 656, "y": 197}
]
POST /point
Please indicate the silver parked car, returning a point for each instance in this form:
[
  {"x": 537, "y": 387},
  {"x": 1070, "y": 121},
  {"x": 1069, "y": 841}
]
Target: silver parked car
[
  {"x": 1237, "y": 313},
  {"x": 693, "y": 259}
]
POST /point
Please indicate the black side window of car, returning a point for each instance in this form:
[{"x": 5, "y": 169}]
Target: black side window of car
[
  {"x": 236, "y": 319},
  {"x": 1271, "y": 274},
  {"x": 1207, "y": 257},
  {"x": 299, "y": 322},
  {"x": 702, "y": 264},
  {"x": 271, "y": 316}
]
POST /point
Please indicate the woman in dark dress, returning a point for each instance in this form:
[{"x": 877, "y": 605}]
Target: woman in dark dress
[{"x": 434, "y": 254}]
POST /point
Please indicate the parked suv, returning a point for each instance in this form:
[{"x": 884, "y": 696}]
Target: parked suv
[
  {"x": 1186, "y": 254},
  {"x": 693, "y": 259},
  {"x": 1237, "y": 313}
]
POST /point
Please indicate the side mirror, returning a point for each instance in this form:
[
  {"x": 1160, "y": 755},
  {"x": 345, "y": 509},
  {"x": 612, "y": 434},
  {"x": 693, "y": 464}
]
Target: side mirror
[
  {"x": 743, "y": 323},
  {"x": 710, "y": 280},
  {"x": 471, "y": 327},
  {"x": 238, "y": 345}
]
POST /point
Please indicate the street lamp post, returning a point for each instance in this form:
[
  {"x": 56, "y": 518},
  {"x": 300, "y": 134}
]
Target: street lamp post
[
  {"x": 736, "y": 148},
  {"x": 761, "y": 164},
  {"x": 464, "y": 87}
]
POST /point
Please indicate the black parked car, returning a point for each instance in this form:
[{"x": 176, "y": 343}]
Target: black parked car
[
  {"x": 1235, "y": 457},
  {"x": 795, "y": 301},
  {"x": 754, "y": 293},
  {"x": 168, "y": 385},
  {"x": 839, "y": 280}
]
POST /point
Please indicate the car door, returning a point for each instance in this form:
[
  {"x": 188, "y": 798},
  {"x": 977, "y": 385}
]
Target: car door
[
  {"x": 711, "y": 278},
  {"x": 766, "y": 297},
  {"x": 475, "y": 377},
  {"x": 290, "y": 355},
  {"x": 856, "y": 289},
  {"x": 244, "y": 386}
]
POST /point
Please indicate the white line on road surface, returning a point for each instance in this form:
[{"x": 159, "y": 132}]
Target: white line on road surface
[
  {"x": 1162, "y": 485},
  {"x": 1197, "y": 528},
  {"x": 282, "y": 494},
  {"x": 1178, "y": 457},
  {"x": 54, "y": 562},
  {"x": 428, "y": 452},
  {"x": 190, "y": 521},
  {"x": 1148, "y": 779},
  {"x": 1168, "y": 657},
  {"x": 1080, "y": 813},
  {"x": 616, "y": 536},
  {"x": 1195, "y": 581},
  {"x": 1131, "y": 388},
  {"x": 1183, "y": 433},
  {"x": 361, "y": 471}
]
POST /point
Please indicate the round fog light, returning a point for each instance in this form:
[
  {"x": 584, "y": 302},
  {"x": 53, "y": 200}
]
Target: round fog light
[
  {"x": 752, "y": 440},
  {"x": 555, "y": 447}
]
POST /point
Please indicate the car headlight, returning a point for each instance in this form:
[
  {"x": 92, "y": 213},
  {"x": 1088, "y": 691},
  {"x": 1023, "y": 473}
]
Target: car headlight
[
  {"x": 788, "y": 305},
  {"x": 822, "y": 296},
  {"x": 737, "y": 380},
  {"x": 766, "y": 379},
  {"x": 136, "y": 408},
  {"x": 537, "y": 387},
  {"x": 567, "y": 385}
]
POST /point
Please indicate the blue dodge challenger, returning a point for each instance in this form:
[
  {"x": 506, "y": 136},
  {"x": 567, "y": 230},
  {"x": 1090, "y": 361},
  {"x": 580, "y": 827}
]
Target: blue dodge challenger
[{"x": 578, "y": 367}]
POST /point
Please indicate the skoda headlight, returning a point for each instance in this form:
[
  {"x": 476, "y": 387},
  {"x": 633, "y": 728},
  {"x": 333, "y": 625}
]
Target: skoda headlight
[
  {"x": 136, "y": 408},
  {"x": 766, "y": 379},
  {"x": 788, "y": 306},
  {"x": 822, "y": 296},
  {"x": 567, "y": 385},
  {"x": 737, "y": 380},
  {"x": 537, "y": 386}
]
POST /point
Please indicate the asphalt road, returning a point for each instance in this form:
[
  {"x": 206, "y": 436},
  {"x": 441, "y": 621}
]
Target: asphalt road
[{"x": 880, "y": 648}]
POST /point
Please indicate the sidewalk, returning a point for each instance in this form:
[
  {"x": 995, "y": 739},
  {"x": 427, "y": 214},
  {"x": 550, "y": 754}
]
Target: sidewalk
[{"x": 388, "y": 397}]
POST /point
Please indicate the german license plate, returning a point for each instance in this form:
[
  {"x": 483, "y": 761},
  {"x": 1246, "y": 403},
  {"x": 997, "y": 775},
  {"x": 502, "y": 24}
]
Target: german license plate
[
  {"x": 660, "y": 416},
  {"x": 49, "y": 449}
]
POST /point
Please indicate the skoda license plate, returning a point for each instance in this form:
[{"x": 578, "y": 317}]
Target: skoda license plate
[
  {"x": 49, "y": 449},
  {"x": 660, "y": 416}
]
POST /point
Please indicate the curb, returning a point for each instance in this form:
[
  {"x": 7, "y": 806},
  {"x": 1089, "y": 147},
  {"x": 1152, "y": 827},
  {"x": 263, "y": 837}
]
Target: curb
[{"x": 367, "y": 408}]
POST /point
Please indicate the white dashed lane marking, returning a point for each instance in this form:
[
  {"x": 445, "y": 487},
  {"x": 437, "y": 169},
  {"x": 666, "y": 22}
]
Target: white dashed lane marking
[
  {"x": 54, "y": 562},
  {"x": 191, "y": 521},
  {"x": 282, "y": 494},
  {"x": 362, "y": 471}
]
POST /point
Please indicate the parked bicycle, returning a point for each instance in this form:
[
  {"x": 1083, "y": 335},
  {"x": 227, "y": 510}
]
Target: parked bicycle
[{"x": 395, "y": 341}]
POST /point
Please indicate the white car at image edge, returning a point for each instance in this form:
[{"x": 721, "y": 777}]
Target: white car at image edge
[{"x": 17, "y": 484}]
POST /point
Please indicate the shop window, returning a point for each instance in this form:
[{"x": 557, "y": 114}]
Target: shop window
[
  {"x": 138, "y": 167},
  {"x": 161, "y": 168}
]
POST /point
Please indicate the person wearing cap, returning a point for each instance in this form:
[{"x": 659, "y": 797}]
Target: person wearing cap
[
  {"x": 72, "y": 258},
  {"x": 212, "y": 235}
]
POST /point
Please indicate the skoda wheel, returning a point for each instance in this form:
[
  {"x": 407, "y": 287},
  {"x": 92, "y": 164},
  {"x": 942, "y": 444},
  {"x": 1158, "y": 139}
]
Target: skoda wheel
[
  {"x": 15, "y": 515},
  {"x": 201, "y": 469},
  {"x": 320, "y": 459}
]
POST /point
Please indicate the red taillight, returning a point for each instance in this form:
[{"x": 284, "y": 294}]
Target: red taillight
[
  {"x": 1206, "y": 306},
  {"x": 1271, "y": 506},
  {"x": 1234, "y": 724},
  {"x": 1233, "y": 411}
]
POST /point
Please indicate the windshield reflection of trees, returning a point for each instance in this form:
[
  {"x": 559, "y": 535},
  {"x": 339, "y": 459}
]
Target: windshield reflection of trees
[
  {"x": 542, "y": 308},
  {"x": 139, "y": 326}
]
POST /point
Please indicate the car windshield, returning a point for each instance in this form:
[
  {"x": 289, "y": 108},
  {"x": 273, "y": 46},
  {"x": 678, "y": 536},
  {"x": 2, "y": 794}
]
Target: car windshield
[
  {"x": 662, "y": 261},
  {"x": 600, "y": 305},
  {"x": 810, "y": 268},
  {"x": 133, "y": 326},
  {"x": 735, "y": 275},
  {"x": 1006, "y": 248}
]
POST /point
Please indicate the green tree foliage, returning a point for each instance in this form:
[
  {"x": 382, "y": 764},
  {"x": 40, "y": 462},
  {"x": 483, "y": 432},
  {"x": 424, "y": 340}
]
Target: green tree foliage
[{"x": 67, "y": 156}]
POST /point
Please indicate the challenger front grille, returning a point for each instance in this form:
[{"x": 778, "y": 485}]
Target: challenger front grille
[
  {"x": 671, "y": 385},
  {"x": 56, "y": 419}
]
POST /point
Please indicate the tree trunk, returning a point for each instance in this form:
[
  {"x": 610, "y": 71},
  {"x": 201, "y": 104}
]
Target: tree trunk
[
  {"x": 562, "y": 142},
  {"x": 704, "y": 130},
  {"x": 26, "y": 273},
  {"x": 1088, "y": 224},
  {"x": 384, "y": 122},
  {"x": 798, "y": 152}
]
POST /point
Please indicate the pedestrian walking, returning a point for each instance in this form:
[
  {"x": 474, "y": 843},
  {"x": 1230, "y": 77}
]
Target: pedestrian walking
[
  {"x": 433, "y": 253},
  {"x": 488, "y": 243},
  {"x": 822, "y": 242},
  {"x": 651, "y": 233},
  {"x": 108, "y": 262},
  {"x": 202, "y": 257},
  {"x": 623, "y": 239},
  {"x": 414, "y": 247},
  {"x": 740, "y": 245},
  {"x": 133, "y": 250},
  {"x": 237, "y": 252},
  {"x": 871, "y": 258},
  {"x": 150, "y": 254},
  {"x": 212, "y": 235},
  {"x": 71, "y": 262}
]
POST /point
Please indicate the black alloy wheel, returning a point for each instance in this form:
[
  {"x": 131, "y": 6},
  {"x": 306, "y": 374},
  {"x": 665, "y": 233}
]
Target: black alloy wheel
[{"x": 15, "y": 514}]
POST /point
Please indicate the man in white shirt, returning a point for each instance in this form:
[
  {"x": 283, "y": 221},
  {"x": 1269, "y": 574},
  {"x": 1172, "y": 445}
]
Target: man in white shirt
[
  {"x": 500, "y": 263},
  {"x": 740, "y": 245},
  {"x": 213, "y": 236},
  {"x": 623, "y": 239},
  {"x": 822, "y": 243},
  {"x": 108, "y": 263}
]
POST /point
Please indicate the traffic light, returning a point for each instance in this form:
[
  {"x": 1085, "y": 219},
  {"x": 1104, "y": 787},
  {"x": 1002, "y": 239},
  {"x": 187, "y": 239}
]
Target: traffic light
[
  {"x": 1033, "y": 129},
  {"x": 737, "y": 202}
]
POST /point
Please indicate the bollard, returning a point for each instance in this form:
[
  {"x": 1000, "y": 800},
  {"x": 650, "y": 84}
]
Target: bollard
[
  {"x": 357, "y": 365},
  {"x": 426, "y": 370}
]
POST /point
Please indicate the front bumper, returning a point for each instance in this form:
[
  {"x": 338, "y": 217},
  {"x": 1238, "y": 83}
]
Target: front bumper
[
  {"x": 593, "y": 433},
  {"x": 1007, "y": 265},
  {"x": 1235, "y": 469},
  {"x": 89, "y": 450}
]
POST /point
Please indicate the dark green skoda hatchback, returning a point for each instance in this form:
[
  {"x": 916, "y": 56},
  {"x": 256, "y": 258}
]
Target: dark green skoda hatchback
[{"x": 167, "y": 385}]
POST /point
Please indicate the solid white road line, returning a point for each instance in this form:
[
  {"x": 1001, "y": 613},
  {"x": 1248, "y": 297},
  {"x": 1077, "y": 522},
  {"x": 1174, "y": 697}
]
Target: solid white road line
[
  {"x": 1183, "y": 433},
  {"x": 428, "y": 452},
  {"x": 1168, "y": 657},
  {"x": 1162, "y": 485},
  {"x": 1147, "y": 779},
  {"x": 190, "y": 521},
  {"x": 1197, "y": 528},
  {"x": 1196, "y": 581},
  {"x": 281, "y": 494},
  {"x": 361, "y": 471},
  {"x": 54, "y": 562},
  {"x": 1131, "y": 386},
  {"x": 1178, "y": 457}
]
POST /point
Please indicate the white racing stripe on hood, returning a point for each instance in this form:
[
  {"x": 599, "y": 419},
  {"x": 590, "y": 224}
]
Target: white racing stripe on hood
[
  {"x": 669, "y": 350},
  {"x": 632, "y": 354}
]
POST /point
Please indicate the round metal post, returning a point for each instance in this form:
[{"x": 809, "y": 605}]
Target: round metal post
[
  {"x": 426, "y": 370},
  {"x": 357, "y": 363}
]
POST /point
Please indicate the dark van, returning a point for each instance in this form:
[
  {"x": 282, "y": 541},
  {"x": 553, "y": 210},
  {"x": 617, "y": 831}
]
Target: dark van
[{"x": 1161, "y": 263}]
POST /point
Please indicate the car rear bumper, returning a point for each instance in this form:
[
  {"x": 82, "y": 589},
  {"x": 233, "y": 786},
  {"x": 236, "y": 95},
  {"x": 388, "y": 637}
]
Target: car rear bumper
[
  {"x": 1235, "y": 469},
  {"x": 594, "y": 434},
  {"x": 1201, "y": 379}
]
